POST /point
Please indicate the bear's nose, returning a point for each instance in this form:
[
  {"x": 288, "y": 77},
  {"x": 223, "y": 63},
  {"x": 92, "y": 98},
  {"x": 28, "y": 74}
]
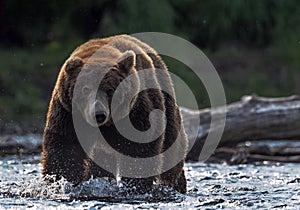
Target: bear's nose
[{"x": 100, "y": 117}]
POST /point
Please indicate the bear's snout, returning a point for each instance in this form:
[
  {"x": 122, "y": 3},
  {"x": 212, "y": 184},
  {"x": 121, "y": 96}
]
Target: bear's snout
[{"x": 100, "y": 117}]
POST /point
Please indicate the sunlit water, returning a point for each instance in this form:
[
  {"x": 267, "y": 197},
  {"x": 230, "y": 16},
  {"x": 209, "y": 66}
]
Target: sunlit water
[{"x": 210, "y": 186}]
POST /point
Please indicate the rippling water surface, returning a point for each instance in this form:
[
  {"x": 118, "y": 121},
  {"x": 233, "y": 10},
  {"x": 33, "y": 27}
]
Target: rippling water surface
[{"x": 210, "y": 186}]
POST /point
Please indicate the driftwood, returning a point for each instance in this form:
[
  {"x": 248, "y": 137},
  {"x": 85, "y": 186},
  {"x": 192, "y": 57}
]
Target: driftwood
[
  {"x": 24, "y": 144},
  {"x": 258, "y": 151},
  {"x": 252, "y": 118}
]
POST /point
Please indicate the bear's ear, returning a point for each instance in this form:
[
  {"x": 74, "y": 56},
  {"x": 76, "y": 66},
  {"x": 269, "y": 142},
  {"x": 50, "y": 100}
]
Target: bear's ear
[
  {"x": 72, "y": 64},
  {"x": 126, "y": 61}
]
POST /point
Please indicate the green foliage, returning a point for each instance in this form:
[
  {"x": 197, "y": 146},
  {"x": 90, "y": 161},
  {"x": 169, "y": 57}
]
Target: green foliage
[
  {"x": 26, "y": 81},
  {"x": 209, "y": 23},
  {"x": 18, "y": 94},
  {"x": 35, "y": 40},
  {"x": 286, "y": 34},
  {"x": 134, "y": 16}
]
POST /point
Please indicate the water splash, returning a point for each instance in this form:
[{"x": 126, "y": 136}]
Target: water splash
[
  {"x": 50, "y": 188},
  {"x": 100, "y": 189}
]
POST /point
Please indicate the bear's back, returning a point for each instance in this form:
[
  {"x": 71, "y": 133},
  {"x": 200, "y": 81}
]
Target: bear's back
[{"x": 147, "y": 56}]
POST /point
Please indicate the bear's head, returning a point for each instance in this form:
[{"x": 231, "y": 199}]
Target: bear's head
[{"x": 88, "y": 86}]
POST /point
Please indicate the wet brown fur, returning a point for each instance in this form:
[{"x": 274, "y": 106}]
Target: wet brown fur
[{"x": 62, "y": 153}]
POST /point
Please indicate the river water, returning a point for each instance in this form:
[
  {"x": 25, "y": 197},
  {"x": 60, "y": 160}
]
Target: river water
[{"x": 210, "y": 186}]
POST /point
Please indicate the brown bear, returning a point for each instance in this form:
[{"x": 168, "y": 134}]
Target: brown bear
[{"x": 120, "y": 57}]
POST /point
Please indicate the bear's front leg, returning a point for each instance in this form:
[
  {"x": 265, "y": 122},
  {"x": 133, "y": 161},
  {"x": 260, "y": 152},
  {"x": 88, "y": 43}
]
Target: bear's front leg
[
  {"x": 148, "y": 174},
  {"x": 66, "y": 161},
  {"x": 96, "y": 170},
  {"x": 175, "y": 177}
]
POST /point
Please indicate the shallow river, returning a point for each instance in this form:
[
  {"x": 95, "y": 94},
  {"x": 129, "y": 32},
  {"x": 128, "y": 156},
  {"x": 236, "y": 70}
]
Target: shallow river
[{"x": 210, "y": 186}]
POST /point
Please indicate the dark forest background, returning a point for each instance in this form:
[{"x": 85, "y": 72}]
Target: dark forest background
[{"x": 254, "y": 44}]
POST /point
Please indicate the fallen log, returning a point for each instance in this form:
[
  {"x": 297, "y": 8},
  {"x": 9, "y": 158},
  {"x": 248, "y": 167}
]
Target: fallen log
[
  {"x": 252, "y": 118},
  {"x": 258, "y": 151},
  {"x": 24, "y": 144}
]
